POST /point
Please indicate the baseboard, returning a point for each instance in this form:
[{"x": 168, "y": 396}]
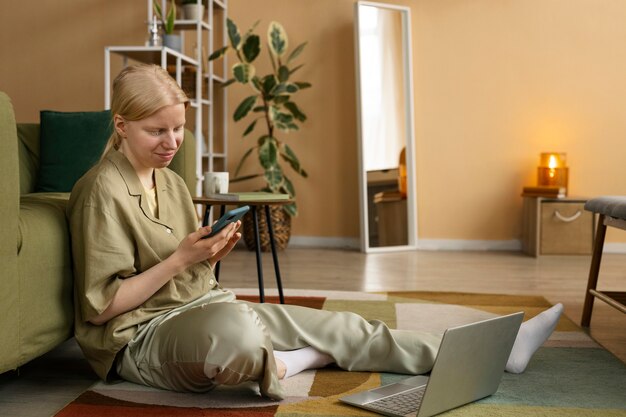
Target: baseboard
[
  {"x": 324, "y": 242},
  {"x": 430, "y": 244},
  {"x": 469, "y": 245},
  {"x": 614, "y": 248}
]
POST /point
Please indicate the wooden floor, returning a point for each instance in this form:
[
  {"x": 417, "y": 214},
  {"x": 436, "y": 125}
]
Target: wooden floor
[{"x": 46, "y": 384}]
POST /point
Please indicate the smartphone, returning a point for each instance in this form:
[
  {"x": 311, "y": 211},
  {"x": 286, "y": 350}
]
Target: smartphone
[{"x": 228, "y": 218}]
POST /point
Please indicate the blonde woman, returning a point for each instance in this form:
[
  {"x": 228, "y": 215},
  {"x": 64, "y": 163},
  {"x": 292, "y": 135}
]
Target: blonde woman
[{"x": 148, "y": 308}]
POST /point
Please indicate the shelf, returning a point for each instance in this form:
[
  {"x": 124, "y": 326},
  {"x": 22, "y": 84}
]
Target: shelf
[
  {"x": 152, "y": 54},
  {"x": 209, "y": 104},
  {"x": 214, "y": 155},
  {"x": 184, "y": 24},
  {"x": 219, "y": 79}
]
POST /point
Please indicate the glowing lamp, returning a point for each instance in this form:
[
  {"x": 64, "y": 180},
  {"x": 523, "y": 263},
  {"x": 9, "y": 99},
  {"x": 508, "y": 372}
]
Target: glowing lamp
[{"x": 552, "y": 170}]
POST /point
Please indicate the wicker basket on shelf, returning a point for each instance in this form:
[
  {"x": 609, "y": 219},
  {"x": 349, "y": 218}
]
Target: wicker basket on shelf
[{"x": 281, "y": 224}]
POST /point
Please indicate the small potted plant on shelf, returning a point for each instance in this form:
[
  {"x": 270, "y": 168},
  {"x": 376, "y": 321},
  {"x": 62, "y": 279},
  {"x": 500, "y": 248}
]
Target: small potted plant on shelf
[
  {"x": 193, "y": 9},
  {"x": 271, "y": 106},
  {"x": 170, "y": 39}
]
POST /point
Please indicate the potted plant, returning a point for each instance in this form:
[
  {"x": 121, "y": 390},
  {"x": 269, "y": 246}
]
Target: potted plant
[
  {"x": 193, "y": 9},
  {"x": 271, "y": 103},
  {"x": 170, "y": 39}
]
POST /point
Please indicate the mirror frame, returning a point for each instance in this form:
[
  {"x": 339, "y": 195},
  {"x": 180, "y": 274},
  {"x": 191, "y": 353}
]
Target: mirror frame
[{"x": 410, "y": 129}]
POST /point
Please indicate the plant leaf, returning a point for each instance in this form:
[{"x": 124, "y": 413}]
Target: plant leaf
[
  {"x": 287, "y": 127},
  {"x": 250, "y": 128},
  {"x": 291, "y": 209},
  {"x": 293, "y": 108},
  {"x": 294, "y": 54},
  {"x": 233, "y": 34},
  {"x": 281, "y": 117},
  {"x": 171, "y": 18},
  {"x": 281, "y": 99},
  {"x": 283, "y": 73},
  {"x": 244, "y": 108},
  {"x": 291, "y": 88},
  {"x": 251, "y": 48},
  {"x": 268, "y": 82},
  {"x": 288, "y": 187},
  {"x": 294, "y": 69},
  {"x": 278, "y": 89},
  {"x": 274, "y": 178},
  {"x": 277, "y": 39},
  {"x": 218, "y": 54},
  {"x": 157, "y": 9},
  {"x": 243, "y": 72},
  {"x": 289, "y": 156},
  {"x": 242, "y": 160},
  {"x": 268, "y": 154},
  {"x": 302, "y": 85}
]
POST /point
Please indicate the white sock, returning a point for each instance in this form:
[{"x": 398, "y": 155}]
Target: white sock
[
  {"x": 299, "y": 360},
  {"x": 532, "y": 334}
]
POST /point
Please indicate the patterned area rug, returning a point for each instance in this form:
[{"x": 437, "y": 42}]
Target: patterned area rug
[{"x": 569, "y": 376}]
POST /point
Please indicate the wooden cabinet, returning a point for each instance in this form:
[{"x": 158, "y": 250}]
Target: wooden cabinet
[{"x": 557, "y": 227}]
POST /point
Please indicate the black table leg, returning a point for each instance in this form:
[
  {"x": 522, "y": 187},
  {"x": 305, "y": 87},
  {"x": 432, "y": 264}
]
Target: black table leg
[
  {"x": 257, "y": 240},
  {"x": 217, "y": 266},
  {"x": 279, "y": 282}
]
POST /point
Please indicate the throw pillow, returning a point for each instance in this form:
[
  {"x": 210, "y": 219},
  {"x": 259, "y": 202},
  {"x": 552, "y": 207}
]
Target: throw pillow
[{"x": 70, "y": 144}]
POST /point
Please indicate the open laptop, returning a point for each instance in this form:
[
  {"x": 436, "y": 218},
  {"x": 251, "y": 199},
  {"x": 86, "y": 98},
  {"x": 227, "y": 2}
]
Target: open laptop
[{"x": 469, "y": 366}]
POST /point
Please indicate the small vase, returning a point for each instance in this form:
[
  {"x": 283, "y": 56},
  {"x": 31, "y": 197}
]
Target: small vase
[
  {"x": 172, "y": 41},
  {"x": 193, "y": 11}
]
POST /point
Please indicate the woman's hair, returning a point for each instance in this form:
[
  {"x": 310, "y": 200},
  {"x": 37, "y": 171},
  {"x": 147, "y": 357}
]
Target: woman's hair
[{"x": 139, "y": 91}]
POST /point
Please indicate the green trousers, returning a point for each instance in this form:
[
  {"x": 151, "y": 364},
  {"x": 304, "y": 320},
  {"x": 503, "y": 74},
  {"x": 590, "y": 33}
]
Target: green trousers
[{"x": 221, "y": 340}]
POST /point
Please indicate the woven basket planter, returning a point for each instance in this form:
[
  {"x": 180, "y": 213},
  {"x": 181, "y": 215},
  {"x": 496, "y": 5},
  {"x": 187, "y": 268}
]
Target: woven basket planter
[{"x": 281, "y": 224}]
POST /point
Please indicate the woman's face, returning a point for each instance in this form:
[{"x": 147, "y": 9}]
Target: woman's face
[{"x": 152, "y": 142}]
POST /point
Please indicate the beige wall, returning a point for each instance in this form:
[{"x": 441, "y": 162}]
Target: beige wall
[{"x": 496, "y": 83}]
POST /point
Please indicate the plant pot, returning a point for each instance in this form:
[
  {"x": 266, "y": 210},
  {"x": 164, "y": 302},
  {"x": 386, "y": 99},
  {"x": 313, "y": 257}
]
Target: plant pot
[
  {"x": 173, "y": 41},
  {"x": 193, "y": 11},
  {"x": 281, "y": 224}
]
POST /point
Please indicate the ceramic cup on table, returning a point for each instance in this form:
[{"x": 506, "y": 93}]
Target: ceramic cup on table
[{"x": 215, "y": 183}]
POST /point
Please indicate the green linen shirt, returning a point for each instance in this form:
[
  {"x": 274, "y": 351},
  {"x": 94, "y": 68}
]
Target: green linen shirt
[{"x": 114, "y": 237}]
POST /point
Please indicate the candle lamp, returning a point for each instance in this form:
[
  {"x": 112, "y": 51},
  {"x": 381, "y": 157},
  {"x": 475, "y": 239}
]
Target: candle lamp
[{"x": 552, "y": 170}]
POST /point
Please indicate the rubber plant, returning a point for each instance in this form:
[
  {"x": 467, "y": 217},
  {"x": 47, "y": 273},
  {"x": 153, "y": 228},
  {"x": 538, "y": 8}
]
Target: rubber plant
[{"x": 270, "y": 105}]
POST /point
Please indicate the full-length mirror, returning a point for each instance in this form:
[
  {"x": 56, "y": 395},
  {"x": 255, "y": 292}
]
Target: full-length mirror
[{"x": 385, "y": 125}]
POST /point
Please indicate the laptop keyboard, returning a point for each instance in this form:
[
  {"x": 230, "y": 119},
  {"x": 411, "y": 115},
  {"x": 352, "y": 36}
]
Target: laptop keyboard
[{"x": 401, "y": 404}]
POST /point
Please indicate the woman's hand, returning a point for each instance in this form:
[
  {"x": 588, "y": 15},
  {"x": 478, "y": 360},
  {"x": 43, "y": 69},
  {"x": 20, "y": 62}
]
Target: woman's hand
[{"x": 193, "y": 248}]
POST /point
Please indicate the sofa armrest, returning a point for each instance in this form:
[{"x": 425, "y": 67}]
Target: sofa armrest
[
  {"x": 184, "y": 163},
  {"x": 28, "y": 150},
  {"x": 9, "y": 214}
]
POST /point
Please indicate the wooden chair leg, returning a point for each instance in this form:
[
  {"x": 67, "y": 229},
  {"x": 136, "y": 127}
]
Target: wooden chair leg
[{"x": 594, "y": 270}]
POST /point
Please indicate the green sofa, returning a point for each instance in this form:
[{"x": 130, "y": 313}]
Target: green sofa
[{"x": 36, "y": 308}]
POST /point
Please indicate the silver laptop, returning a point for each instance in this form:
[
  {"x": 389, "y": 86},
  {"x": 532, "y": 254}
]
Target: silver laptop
[{"x": 469, "y": 366}]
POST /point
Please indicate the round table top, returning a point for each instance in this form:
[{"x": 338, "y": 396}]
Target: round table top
[{"x": 228, "y": 201}]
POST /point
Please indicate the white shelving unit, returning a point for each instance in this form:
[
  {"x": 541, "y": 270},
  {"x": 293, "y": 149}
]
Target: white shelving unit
[{"x": 208, "y": 103}]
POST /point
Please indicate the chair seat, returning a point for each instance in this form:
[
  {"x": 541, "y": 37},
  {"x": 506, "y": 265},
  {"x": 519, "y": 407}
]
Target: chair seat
[{"x": 608, "y": 205}]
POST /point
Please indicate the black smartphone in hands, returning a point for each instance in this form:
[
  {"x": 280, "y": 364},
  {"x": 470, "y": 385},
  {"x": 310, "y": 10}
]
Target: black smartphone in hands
[{"x": 228, "y": 218}]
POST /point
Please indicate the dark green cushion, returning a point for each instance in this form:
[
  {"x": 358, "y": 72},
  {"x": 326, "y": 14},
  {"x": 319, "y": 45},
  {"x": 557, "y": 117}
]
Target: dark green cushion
[{"x": 71, "y": 143}]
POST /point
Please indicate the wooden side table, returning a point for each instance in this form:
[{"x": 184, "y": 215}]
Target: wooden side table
[
  {"x": 557, "y": 226},
  {"x": 254, "y": 206}
]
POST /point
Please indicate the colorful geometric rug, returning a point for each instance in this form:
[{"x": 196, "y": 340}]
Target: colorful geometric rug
[{"x": 570, "y": 375}]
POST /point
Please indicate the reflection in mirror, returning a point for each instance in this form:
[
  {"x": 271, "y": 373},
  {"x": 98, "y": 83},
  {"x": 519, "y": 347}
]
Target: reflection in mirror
[{"x": 387, "y": 186}]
